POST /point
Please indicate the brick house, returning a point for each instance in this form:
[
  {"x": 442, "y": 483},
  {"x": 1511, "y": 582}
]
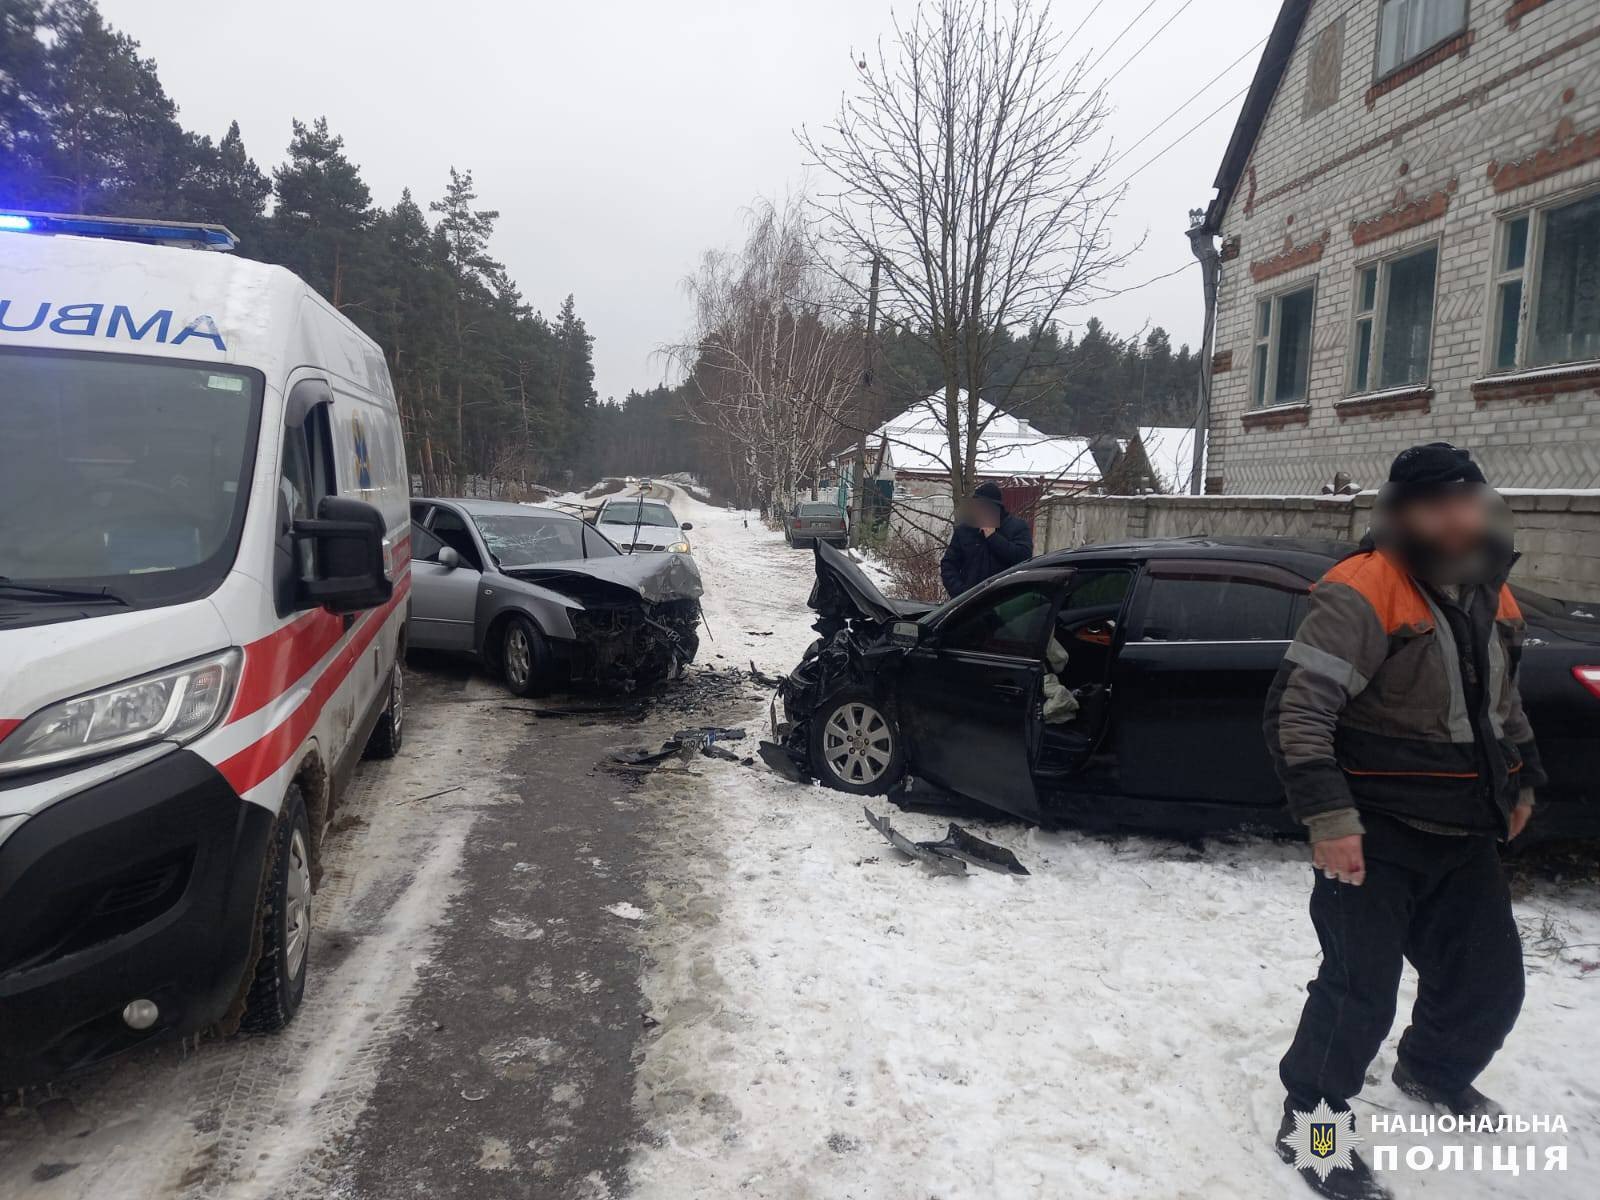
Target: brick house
[{"x": 1409, "y": 211}]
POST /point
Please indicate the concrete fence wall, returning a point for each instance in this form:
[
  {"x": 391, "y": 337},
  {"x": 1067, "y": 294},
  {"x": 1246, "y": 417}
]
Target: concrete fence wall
[{"x": 1558, "y": 533}]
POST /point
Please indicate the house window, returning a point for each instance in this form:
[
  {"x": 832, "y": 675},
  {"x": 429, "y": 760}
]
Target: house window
[
  {"x": 1547, "y": 287},
  {"x": 1393, "y": 332},
  {"x": 1408, "y": 28},
  {"x": 1281, "y": 363}
]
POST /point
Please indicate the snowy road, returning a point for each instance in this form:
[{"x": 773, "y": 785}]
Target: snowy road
[{"x": 538, "y": 979}]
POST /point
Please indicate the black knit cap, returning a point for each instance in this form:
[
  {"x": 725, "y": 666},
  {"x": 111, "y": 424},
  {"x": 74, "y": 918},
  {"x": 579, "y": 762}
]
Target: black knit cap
[
  {"x": 989, "y": 492},
  {"x": 1430, "y": 470}
]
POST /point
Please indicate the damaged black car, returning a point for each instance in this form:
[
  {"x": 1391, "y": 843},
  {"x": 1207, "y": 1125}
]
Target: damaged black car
[
  {"x": 547, "y": 600},
  {"x": 1117, "y": 686}
]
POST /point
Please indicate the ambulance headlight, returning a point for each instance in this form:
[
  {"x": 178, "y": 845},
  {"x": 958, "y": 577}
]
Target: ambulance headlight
[{"x": 175, "y": 705}]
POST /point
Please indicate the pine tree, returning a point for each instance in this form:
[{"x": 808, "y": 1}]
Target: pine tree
[
  {"x": 324, "y": 210},
  {"x": 97, "y": 132},
  {"x": 224, "y": 185}
]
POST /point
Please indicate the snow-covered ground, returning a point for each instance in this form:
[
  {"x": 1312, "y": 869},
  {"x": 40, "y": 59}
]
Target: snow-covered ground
[{"x": 835, "y": 1022}]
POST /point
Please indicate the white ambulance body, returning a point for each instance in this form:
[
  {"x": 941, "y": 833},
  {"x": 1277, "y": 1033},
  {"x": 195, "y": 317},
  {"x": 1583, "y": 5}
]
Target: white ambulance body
[{"x": 204, "y": 572}]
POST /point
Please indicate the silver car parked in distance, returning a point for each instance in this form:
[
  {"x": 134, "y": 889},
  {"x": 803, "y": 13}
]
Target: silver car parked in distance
[{"x": 547, "y": 599}]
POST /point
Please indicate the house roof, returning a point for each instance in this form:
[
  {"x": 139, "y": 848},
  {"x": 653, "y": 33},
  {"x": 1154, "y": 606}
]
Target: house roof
[
  {"x": 1269, "y": 74},
  {"x": 1008, "y": 447},
  {"x": 1169, "y": 449}
]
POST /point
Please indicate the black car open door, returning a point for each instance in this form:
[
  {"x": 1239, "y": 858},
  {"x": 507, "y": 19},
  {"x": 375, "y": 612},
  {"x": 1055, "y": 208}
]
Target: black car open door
[
  {"x": 969, "y": 693},
  {"x": 1190, "y": 682}
]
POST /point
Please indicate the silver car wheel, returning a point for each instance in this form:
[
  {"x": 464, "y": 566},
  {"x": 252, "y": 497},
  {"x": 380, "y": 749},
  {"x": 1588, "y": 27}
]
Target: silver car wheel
[
  {"x": 518, "y": 656},
  {"x": 857, "y": 743},
  {"x": 297, "y": 906}
]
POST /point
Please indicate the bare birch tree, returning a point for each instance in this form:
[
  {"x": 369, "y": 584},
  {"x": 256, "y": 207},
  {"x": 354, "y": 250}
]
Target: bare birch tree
[
  {"x": 773, "y": 368},
  {"x": 966, "y": 163}
]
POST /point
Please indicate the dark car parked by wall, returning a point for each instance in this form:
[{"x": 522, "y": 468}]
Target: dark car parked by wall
[
  {"x": 813, "y": 521},
  {"x": 1170, "y": 647}
]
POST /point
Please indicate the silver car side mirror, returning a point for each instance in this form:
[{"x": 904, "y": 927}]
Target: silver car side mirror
[{"x": 448, "y": 558}]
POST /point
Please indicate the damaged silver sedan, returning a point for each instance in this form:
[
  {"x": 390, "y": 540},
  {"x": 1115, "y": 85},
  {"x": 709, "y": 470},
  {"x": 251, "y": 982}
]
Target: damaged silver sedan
[{"x": 547, "y": 600}]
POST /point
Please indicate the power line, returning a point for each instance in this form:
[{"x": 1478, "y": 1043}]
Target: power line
[
  {"x": 1124, "y": 33},
  {"x": 1147, "y": 41},
  {"x": 1184, "y": 134},
  {"x": 1153, "y": 279},
  {"x": 1175, "y": 112},
  {"x": 1086, "y": 20}
]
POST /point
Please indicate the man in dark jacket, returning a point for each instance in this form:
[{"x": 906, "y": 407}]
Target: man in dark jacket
[
  {"x": 986, "y": 541},
  {"x": 1399, "y": 736}
]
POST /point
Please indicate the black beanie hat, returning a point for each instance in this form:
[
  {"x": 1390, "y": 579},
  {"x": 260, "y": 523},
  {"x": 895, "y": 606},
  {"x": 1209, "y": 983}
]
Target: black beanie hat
[
  {"x": 1429, "y": 470},
  {"x": 989, "y": 492}
]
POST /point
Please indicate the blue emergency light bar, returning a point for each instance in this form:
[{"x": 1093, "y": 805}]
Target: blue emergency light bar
[{"x": 123, "y": 229}]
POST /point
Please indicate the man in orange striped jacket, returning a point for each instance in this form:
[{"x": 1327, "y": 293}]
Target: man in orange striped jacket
[{"x": 1399, "y": 736}]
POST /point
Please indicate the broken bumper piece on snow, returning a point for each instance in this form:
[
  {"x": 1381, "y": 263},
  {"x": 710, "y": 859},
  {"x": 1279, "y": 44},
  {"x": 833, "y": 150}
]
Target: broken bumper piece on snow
[
  {"x": 685, "y": 745},
  {"x": 951, "y": 854}
]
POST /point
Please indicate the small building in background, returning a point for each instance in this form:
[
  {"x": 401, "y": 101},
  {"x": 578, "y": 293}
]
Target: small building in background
[
  {"x": 1157, "y": 459},
  {"x": 908, "y": 464}
]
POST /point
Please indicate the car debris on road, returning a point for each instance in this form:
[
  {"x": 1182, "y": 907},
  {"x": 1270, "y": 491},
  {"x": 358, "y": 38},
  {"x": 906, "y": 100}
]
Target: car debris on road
[
  {"x": 685, "y": 745},
  {"x": 951, "y": 854}
]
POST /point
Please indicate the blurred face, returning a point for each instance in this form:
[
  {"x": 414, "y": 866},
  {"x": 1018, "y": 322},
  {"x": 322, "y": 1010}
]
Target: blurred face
[
  {"x": 1452, "y": 526},
  {"x": 978, "y": 513}
]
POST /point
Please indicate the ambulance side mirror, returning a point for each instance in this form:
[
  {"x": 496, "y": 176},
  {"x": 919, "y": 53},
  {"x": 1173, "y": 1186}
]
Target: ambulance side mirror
[{"x": 346, "y": 539}]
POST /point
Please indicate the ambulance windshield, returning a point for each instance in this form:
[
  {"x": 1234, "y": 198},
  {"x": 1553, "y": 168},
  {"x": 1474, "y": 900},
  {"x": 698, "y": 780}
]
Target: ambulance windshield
[{"x": 122, "y": 473}]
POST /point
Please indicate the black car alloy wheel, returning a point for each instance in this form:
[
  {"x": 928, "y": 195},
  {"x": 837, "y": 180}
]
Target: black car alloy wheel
[{"x": 855, "y": 745}]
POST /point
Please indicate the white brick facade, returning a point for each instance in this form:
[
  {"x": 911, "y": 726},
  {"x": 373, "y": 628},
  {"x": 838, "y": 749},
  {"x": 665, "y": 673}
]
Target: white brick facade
[{"x": 1527, "y": 81}]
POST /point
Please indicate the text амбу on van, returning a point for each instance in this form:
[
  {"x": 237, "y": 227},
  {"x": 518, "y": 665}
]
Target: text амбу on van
[{"x": 204, "y": 571}]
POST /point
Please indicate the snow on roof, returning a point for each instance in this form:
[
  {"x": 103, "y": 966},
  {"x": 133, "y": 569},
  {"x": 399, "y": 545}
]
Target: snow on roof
[
  {"x": 1008, "y": 446},
  {"x": 1169, "y": 449}
]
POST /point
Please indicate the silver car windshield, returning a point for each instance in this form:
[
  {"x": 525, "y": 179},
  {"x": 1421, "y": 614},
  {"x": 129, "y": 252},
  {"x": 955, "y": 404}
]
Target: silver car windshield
[
  {"x": 535, "y": 538},
  {"x": 123, "y": 473}
]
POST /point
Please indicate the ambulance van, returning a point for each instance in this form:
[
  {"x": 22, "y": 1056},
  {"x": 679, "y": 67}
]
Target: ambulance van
[{"x": 204, "y": 569}]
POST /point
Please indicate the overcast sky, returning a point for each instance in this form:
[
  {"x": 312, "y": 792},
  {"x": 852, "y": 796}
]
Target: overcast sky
[{"x": 621, "y": 138}]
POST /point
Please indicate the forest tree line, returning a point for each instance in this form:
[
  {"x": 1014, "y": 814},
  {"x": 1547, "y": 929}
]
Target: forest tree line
[{"x": 487, "y": 386}]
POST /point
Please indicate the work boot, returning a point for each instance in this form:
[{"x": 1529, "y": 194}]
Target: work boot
[
  {"x": 1468, "y": 1102},
  {"x": 1356, "y": 1183}
]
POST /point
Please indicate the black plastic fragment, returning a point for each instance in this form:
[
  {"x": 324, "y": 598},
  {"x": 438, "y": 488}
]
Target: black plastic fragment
[
  {"x": 951, "y": 854},
  {"x": 938, "y": 862},
  {"x": 958, "y": 843}
]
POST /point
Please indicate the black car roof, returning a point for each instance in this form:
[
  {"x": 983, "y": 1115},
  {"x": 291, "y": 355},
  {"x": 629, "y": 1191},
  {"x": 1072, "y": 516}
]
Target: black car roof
[{"x": 1314, "y": 555}]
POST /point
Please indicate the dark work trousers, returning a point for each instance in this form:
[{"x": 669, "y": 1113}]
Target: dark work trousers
[{"x": 1442, "y": 903}]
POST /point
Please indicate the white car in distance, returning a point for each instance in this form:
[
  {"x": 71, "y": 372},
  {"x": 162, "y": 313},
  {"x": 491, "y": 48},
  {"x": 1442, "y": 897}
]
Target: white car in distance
[{"x": 638, "y": 524}]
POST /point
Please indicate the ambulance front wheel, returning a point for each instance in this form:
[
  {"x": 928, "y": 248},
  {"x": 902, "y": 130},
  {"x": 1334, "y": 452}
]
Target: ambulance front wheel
[{"x": 279, "y": 983}]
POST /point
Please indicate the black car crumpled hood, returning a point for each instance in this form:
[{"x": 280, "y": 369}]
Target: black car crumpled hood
[
  {"x": 843, "y": 592},
  {"x": 655, "y": 578}
]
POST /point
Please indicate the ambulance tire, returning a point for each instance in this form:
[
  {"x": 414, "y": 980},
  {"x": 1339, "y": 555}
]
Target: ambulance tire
[
  {"x": 389, "y": 733},
  {"x": 279, "y": 983}
]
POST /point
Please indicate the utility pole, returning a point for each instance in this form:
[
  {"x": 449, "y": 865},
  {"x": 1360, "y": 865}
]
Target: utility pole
[
  {"x": 1204, "y": 247},
  {"x": 859, "y": 498}
]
